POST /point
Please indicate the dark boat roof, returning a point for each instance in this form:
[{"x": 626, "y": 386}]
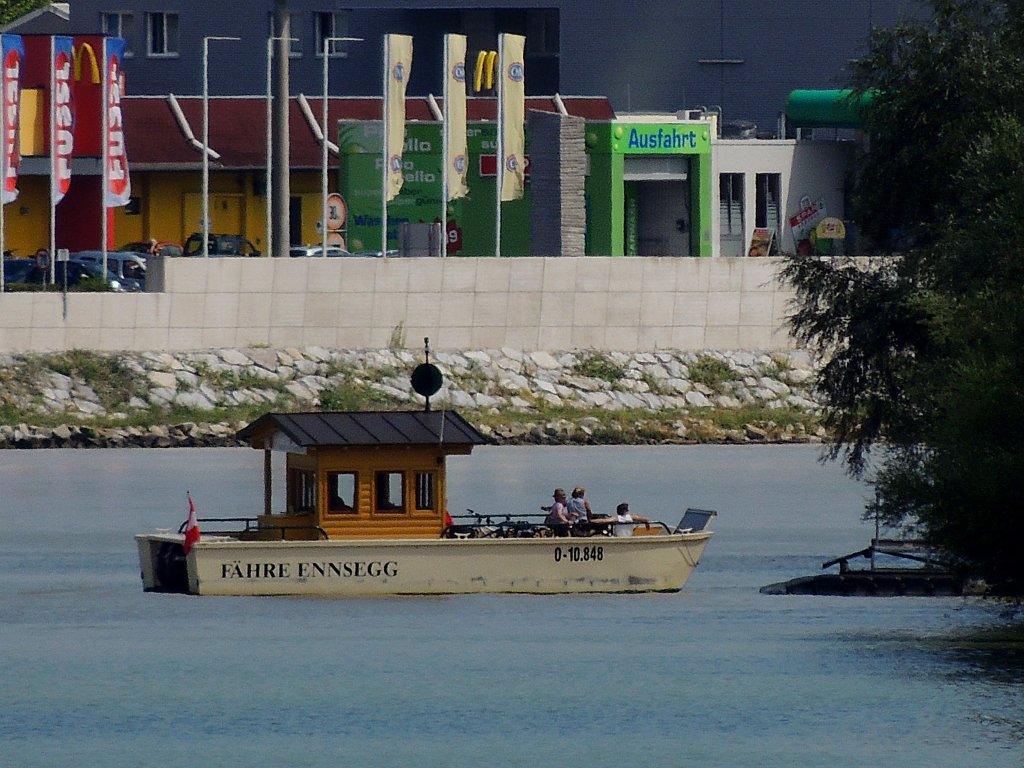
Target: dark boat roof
[{"x": 366, "y": 428}]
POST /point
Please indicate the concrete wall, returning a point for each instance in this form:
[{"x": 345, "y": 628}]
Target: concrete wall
[{"x": 626, "y": 304}]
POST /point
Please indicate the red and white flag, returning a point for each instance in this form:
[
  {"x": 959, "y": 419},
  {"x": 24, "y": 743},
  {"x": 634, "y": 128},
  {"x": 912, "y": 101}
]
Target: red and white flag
[{"x": 191, "y": 527}]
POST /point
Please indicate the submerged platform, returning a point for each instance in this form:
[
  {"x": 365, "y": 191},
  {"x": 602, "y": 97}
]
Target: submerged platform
[{"x": 926, "y": 579}]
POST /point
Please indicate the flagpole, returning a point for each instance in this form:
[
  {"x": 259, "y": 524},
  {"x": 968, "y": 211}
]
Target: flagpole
[
  {"x": 384, "y": 153},
  {"x": 104, "y": 153},
  {"x": 53, "y": 156},
  {"x": 445, "y": 149},
  {"x": 500, "y": 176}
]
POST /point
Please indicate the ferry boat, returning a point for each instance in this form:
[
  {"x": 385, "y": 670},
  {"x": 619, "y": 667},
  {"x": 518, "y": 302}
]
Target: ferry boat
[{"x": 365, "y": 515}]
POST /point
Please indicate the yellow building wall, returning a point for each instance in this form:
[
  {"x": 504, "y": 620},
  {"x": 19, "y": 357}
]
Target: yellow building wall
[
  {"x": 27, "y": 219},
  {"x": 170, "y": 207}
]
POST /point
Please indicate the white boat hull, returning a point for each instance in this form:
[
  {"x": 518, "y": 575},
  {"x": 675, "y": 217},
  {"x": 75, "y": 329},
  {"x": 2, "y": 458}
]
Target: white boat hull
[{"x": 224, "y": 566}]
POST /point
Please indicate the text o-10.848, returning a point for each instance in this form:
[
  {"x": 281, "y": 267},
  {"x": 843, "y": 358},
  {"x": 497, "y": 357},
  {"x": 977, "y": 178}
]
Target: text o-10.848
[{"x": 578, "y": 554}]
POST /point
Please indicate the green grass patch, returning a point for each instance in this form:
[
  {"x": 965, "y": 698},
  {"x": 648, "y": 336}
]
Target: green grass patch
[
  {"x": 711, "y": 372},
  {"x": 598, "y": 365}
]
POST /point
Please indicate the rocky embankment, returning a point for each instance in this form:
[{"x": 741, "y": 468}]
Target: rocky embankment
[{"x": 157, "y": 399}]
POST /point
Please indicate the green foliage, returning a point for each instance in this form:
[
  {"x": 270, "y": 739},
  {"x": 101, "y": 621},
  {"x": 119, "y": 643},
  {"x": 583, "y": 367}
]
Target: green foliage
[
  {"x": 923, "y": 349},
  {"x": 598, "y": 365},
  {"x": 11, "y": 10},
  {"x": 352, "y": 395},
  {"x": 711, "y": 372},
  {"x": 112, "y": 381},
  {"x": 937, "y": 88}
]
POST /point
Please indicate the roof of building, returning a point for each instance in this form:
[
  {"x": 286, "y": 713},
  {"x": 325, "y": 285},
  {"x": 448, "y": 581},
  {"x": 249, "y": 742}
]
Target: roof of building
[
  {"x": 366, "y": 428},
  {"x": 158, "y": 140}
]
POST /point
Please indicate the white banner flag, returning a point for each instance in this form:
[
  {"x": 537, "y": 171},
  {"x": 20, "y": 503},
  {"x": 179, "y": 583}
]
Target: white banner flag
[
  {"x": 455, "y": 148},
  {"x": 398, "y": 66}
]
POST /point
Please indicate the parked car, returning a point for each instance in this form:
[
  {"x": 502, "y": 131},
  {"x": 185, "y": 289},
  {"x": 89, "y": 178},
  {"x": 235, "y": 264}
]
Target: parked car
[
  {"x": 129, "y": 269},
  {"x": 77, "y": 272},
  {"x": 317, "y": 251},
  {"x": 16, "y": 270},
  {"x": 220, "y": 245},
  {"x": 159, "y": 248}
]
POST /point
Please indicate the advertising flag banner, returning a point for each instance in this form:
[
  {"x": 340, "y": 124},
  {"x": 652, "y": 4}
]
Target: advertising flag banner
[
  {"x": 62, "y": 117},
  {"x": 455, "y": 115},
  {"x": 12, "y": 51},
  {"x": 511, "y": 114},
  {"x": 115, "y": 158},
  {"x": 398, "y": 66}
]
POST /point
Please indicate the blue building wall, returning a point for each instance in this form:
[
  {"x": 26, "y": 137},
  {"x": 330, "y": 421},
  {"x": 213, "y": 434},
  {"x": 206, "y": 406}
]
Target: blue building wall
[{"x": 743, "y": 56}]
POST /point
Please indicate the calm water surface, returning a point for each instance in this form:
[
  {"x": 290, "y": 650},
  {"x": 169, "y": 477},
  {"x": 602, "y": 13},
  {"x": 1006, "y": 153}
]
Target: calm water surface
[{"x": 97, "y": 673}]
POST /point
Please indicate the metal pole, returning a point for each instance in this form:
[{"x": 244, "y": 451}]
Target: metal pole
[
  {"x": 384, "y": 152},
  {"x": 53, "y": 163},
  {"x": 206, "y": 140},
  {"x": 268, "y": 241},
  {"x": 281, "y": 202},
  {"x": 206, "y": 148},
  {"x": 328, "y": 42}
]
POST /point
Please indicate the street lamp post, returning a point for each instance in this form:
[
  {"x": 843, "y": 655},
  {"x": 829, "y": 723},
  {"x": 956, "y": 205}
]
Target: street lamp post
[
  {"x": 206, "y": 139},
  {"x": 327, "y": 44}
]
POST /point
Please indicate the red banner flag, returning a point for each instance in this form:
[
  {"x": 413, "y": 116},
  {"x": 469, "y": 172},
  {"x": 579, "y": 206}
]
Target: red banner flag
[
  {"x": 62, "y": 118},
  {"x": 191, "y": 527},
  {"x": 12, "y": 56},
  {"x": 115, "y": 160}
]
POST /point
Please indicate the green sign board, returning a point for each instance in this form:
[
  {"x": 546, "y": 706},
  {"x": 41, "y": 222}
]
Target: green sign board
[
  {"x": 470, "y": 221},
  {"x": 661, "y": 138}
]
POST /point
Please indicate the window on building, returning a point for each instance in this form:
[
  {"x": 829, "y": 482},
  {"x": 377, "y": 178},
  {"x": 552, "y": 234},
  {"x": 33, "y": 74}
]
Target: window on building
[
  {"x": 120, "y": 25},
  {"x": 341, "y": 492},
  {"x": 294, "y": 32},
  {"x": 425, "y": 490},
  {"x": 769, "y": 188},
  {"x": 542, "y": 31},
  {"x": 390, "y": 492},
  {"x": 331, "y": 24},
  {"x": 162, "y": 34},
  {"x": 301, "y": 491},
  {"x": 730, "y": 200}
]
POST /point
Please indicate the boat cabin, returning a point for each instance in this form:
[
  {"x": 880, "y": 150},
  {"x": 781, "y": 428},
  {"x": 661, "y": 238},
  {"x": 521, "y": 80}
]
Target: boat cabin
[{"x": 359, "y": 475}]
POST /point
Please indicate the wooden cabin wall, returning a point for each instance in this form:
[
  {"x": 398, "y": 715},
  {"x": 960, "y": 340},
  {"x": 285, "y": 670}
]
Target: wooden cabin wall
[{"x": 366, "y": 522}]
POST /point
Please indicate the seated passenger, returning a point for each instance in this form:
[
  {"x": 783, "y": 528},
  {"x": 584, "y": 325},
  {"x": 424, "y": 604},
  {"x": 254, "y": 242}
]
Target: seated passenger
[
  {"x": 623, "y": 521},
  {"x": 558, "y": 516},
  {"x": 579, "y": 511}
]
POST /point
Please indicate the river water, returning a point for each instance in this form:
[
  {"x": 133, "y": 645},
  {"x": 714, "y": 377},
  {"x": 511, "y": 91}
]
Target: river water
[{"x": 97, "y": 673}]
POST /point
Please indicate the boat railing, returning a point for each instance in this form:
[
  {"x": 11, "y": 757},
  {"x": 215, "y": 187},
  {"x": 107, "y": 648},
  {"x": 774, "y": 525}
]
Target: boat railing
[
  {"x": 485, "y": 525},
  {"x": 251, "y": 528}
]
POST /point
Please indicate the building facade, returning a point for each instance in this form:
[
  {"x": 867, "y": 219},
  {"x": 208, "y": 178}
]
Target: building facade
[{"x": 737, "y": 57}]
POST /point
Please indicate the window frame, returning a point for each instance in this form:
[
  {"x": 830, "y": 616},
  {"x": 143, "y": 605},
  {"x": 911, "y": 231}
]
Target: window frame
[
  {"x": 167, "y": 51},
  {"x": 121, "y": 18},
  {"x": 302, "y": 491},
  {"x": 394, "y": 508},
  {"x": 330, "y": 479},
  {"x": 424, "y": 482},
  {"x": 294, "y": 32},
  {"x": 339, "y": 50}
]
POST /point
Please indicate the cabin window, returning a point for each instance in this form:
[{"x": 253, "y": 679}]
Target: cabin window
[
  {"x": 341, "y": 492},
  {"x": 390, "y": 496},
  {"x": 302, "y": 488},
  {"x": 425, "y": 490}
]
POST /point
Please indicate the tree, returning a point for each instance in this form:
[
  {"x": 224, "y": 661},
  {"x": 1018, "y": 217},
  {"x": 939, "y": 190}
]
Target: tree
[
  {"x": 922, "y": 349},
  {"x": 11, "y": 10}
]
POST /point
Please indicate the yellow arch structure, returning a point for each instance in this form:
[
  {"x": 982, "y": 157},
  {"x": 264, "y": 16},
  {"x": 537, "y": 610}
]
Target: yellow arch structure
[{"x": 79, "y": 53}]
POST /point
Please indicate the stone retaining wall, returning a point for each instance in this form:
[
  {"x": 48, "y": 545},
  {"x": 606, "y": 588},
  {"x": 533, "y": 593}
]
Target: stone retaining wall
[{"x": 510, "y": 389}]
